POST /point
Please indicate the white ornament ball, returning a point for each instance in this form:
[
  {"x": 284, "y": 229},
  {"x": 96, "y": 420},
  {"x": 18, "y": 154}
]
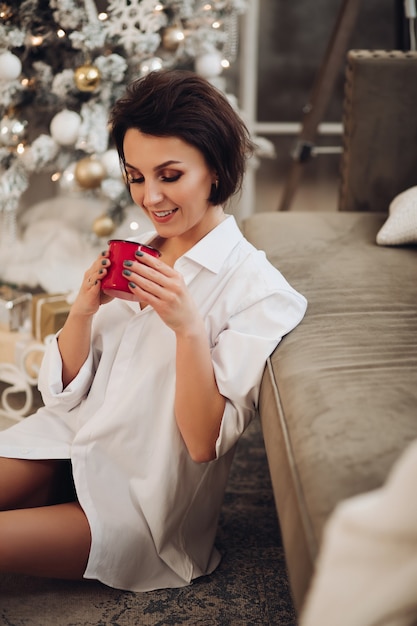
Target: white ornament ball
[
  {"x": 10, "y": 66},
  {"x": 154, "y": 64},
  {"x": 65, "y": 127},
  {"x": 209, "y": 65},
  {"x": 110, "y": 160}
]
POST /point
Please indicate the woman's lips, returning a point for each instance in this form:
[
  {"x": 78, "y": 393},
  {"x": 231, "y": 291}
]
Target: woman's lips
[{"x": 163, "y": 216}]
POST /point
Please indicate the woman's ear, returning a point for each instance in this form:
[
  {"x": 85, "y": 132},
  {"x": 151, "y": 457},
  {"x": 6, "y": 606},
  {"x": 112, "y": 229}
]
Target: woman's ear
[{"x": 215, "y": 180}]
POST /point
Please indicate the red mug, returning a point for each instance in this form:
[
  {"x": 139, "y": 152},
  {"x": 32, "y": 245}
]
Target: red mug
[{"x": 120, "y": 250}]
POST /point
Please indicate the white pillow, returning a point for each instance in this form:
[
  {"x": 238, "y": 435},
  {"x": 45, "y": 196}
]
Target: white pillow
[{"x": 401, "y": 225}]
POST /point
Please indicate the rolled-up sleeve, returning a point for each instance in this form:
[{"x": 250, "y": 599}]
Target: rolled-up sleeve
[
  {"x": 240, "y": 354},
  {"x": 50, "y": 380}
]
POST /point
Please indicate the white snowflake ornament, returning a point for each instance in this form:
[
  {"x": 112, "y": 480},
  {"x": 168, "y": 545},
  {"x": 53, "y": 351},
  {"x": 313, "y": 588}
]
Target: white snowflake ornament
[{"x": 129, "y": 20}]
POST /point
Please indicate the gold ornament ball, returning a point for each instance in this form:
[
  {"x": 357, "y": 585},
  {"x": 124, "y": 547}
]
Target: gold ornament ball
[
  {"x": 172, "y": 37},
  {"x": 87, "y": 77},
  {"x": 89, "y": 172},
  {"x": 103, "y": 226}
]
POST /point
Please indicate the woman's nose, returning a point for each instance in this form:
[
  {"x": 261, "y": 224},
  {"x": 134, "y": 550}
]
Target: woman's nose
[{"x": 152, "y": 194}]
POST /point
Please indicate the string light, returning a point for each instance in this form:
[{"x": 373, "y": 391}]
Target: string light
[
  {"x": 5, "y": 12},
  {"x": 36, "y": 40},
  {"x": 60, "y": 33}
]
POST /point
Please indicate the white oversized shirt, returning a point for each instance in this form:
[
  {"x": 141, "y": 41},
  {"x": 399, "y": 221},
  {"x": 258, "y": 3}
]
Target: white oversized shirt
[{"x": 152, "y": 511}]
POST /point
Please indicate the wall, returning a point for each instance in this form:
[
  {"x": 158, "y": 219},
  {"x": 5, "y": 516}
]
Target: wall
[{"x": 293, "y": 36}]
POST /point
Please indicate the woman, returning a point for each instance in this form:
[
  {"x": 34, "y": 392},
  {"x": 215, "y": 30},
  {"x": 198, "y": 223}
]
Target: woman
[{"x": 145, "y": 400}]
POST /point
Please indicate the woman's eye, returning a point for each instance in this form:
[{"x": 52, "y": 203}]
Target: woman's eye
[
  {"x": 133, "y": 178},
  {"x": 170, "y": 178}
]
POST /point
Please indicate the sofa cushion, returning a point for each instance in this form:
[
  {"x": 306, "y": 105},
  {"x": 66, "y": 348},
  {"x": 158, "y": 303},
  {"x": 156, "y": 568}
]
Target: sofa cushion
[
  {"x": 339, "y": 395},
  {"x": 401, "y": 225}
]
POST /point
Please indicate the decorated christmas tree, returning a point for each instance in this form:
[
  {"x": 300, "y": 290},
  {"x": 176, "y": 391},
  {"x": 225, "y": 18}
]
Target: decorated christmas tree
[{"x": 63, "y": 63}]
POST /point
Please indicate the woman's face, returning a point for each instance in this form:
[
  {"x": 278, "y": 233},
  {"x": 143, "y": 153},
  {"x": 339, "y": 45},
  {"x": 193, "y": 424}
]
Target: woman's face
[{"x": 171, "y": 181}]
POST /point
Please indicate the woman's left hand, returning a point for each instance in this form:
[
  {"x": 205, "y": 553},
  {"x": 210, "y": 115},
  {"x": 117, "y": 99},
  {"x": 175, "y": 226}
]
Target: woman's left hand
[{"x": 158, "y": 285}]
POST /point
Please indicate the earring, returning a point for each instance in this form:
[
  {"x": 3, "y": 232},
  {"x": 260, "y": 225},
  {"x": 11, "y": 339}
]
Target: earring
[{"x": 216, "y": 183}]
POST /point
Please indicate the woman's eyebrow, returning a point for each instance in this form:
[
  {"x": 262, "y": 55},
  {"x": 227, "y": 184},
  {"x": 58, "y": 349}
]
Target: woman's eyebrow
[{"x": 157, "y": 167}]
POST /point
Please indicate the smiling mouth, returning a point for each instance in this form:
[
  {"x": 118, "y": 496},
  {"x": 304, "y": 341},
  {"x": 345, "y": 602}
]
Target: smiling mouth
[{"x": 161, "y": 214}]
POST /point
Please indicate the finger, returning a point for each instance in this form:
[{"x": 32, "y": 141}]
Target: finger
[
  {"x": 91, "y": 282},
  {"x": 167, "y": 291},
  {"x": 151, "y": 281},
  {"x": 97, "y": 272},
  {"x": 94, "y": 278},
  {"x": 153, "y": 270},
  {"x": 152, "y": 294},
  {"x": 158, "y": 264}
]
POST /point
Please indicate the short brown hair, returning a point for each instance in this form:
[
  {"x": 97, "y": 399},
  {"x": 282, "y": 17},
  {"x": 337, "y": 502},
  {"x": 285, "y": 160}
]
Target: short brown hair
[{"x": 180, "y": 103}]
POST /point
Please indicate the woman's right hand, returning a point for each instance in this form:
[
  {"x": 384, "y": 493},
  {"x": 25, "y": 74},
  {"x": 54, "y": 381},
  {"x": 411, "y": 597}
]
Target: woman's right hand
[
  {"x": 90, "y": 295},
  {"x": 75, "y": 336}
]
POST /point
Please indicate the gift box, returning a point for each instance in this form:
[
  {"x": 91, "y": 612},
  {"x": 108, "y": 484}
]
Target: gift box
[
  {"x": 49, "y": 312},
  {"x": 21, "y": 349},
  {"x": 15, "y": 308}
]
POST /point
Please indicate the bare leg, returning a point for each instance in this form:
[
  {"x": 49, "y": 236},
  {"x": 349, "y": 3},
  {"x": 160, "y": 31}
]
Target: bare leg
[
  {"x": 51, "y": 541},
  {"x": 43, "y": 530},
  {"x": 25, "y": 483}
]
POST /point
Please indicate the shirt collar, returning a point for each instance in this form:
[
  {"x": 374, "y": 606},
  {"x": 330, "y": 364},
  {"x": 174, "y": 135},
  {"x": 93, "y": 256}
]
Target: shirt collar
[{"x": 212, "y": 250}]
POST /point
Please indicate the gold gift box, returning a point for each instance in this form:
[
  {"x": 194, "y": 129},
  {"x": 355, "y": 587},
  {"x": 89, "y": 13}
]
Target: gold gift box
[
  {"x": 14, "y": 308},
  {"x": 49, "y": 312}
]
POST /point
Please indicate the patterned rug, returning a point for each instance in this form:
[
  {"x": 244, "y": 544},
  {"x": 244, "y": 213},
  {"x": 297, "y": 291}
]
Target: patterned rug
[{"x": 249, "y": 588}]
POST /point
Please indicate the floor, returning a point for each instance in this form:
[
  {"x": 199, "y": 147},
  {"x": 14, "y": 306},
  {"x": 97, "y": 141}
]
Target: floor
[
  {"x": 318, "y": 185},
  {"x": 309, "y": 196}
]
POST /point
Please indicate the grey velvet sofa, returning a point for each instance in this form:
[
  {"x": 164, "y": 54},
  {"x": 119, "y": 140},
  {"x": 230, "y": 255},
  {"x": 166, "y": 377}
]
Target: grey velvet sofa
[{"x": 338, "y": 400}]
